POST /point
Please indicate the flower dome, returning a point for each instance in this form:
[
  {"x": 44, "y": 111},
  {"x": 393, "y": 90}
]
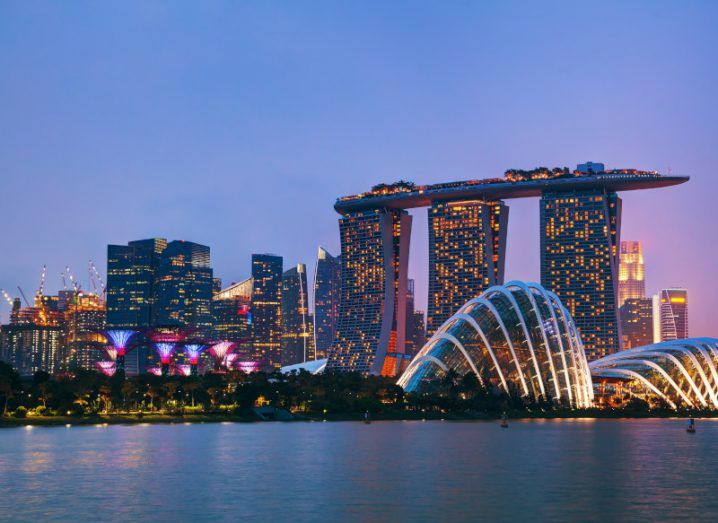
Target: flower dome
[{"x": 517, "y": 339}]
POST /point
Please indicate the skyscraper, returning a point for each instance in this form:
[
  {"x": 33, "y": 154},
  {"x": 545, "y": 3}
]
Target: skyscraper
[
  {"x": 131, "y": 273},
  {"x": 415, "y": 329},
  {"x": 636, "y": 322},
  {"x": 579, "y": 261},
  {"x": 232, "y": 315},
  {"x": 673, "y": 314},
  {"x": 631, "y": 272},
  {"x": 327, "y": 292},
  {"x": 84, "y": 321},
  {"x": 267, "y": 308},
  {"x": 297, "y": 345},
  {"x": 467, "y": 245},
  {"x": 371, "y": 334},
  {"x": 184, "y": 282},
  {"x": 33, "y": 338}
]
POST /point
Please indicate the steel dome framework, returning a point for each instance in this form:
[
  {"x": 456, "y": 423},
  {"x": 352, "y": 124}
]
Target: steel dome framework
[
  {"x": 682, "y": 373},
  {"x": 517, "y": 338}
]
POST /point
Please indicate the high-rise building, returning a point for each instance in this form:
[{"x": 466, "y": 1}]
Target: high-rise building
[
  {"x": 371, "y": 334},
  {"x": 327, "y": 292},
  {"x": 267, "y": 272},
  {"x": 636, "y": 322},
  {"x": 467, "y": 246},
  {"x": 131, "y": 271},
  {"x": 33, "y": 338},
  {"x": 84, "y": 321},
  {"x": 415, "y": 328},
  {"x": 297, "y": 345},
  {"x": 580, "y": 232},
  {"x": 631, "y": 272},
  {"x": 183, "y": 286},
  {"x": 232, "y": 315},
  {"x": 673, "y": 314}
]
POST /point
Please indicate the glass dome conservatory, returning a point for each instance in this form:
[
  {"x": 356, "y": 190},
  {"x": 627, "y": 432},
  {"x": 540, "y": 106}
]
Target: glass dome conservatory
[
  {"x": 679, "y": 373},
  {"x": 518, "y": 339}
]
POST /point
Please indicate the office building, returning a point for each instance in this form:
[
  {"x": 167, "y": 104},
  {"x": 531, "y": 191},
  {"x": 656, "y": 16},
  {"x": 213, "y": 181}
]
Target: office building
[
  {"x": 267, "y": 272},
  {"x": 327, "y": 293},
  {"x": 232, "y": 315},
  {"x": 297, "y": 345},
  {"x": 631, "y": 272},
  {"x": 371, "y": 333},
  {"x": 467, "y": 246},
  {"x": 183, "y": 286},
  {"x": 131, "y": 271},
  {"x": 33, "y": 339},
  {"x": 84, "y": 322},
  {"x": 672, "y": 314},
  {"x": 415, "y": 327},
  {"x": 636, "y": 322}
]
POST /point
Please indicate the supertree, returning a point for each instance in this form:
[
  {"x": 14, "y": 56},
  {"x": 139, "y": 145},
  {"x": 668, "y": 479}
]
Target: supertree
[
  {"x": 119, "y": 340},
  {"x": 157, "y": 371},
  {"x": 184, "y": 370},
  {"x": 194, "y": 350},
  {"x": 111, "y": 352},
  {"x": 219, "y": 352},
  {"x": 165, "y": 350},
  {"x": 107, "y": 368}
]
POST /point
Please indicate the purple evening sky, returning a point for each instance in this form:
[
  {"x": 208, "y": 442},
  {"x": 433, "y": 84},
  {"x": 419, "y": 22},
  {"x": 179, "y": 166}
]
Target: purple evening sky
[{"x": 237, "y": 124}]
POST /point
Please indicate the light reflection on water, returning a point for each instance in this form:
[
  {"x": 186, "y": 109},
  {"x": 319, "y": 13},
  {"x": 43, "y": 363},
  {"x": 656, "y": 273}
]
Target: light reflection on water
[{"x": 606, "y": 470}]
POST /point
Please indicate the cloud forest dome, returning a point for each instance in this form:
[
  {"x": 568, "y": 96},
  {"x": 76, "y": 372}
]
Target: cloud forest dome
[
  {"x": 681, "y": 373},
  {"x": 518, "y": 339}
]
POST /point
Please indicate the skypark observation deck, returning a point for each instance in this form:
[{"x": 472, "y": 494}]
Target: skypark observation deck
[{"x": 407, "y": 197}]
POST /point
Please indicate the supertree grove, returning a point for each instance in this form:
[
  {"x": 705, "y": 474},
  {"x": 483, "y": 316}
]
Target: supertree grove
[
  {"x": 120, "y": 340},
  {"x": 193, "y": 351},
  {"x": 219, "y": 352},
  {"x": 165, "y": 351}
]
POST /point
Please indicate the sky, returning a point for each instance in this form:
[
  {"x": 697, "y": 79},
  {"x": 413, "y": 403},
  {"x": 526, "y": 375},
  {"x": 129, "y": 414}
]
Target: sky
[{"x": 238, "y": 124}]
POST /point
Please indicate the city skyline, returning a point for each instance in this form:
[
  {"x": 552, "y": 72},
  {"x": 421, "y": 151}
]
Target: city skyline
[{"x": 462, "y": 135}]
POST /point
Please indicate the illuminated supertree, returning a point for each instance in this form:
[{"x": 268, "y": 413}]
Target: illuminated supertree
[
  {"x": 248, "y": 366},
  {"x": 194, "y": 350},
  {"x": 107, "y": 368},
  {"x": 183, "y": 370},
  {"x": 111, "y": 353},
  {"x": 157, "y": 371},
  {"x": 165, "y": 350},
  {"x": 120, "y": 339},
  {"x": 219, "y": 352}
]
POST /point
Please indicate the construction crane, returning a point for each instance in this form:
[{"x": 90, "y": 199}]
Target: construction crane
[
  {"x": 41, "y": 289},
  {"x": 75, "y": 286},
  {"x": 23, "y": 296},
  {"x": 95, "y": 277},
  {"x": 6, "y": 296}
]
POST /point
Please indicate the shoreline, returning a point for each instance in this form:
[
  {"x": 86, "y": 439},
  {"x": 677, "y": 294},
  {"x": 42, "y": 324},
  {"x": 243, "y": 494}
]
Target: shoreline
[{"x": 173, "y": 419}]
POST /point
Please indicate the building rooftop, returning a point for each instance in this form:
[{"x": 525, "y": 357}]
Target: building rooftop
[{"x": 515, "y": 184}]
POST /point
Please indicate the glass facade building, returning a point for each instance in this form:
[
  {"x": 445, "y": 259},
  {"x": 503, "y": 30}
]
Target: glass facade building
[
  {"x": 579, "y": 262},
  {"x": 183, "y": 286},
  {"x": 673, "y": 314},
  {"x": 517, "y": 339},
  {"x": 467, "y": 246},
  {"x": 327, "y": 292},
  {"x": 371, "y": 333},
  {"x": 267, "y": 272},
  {"x": 131, "y": 271},
  {"x": 637, "y": 322},
  {"x": 631, "y": 272},
  {"x": 232, "y": 315},
  {"x": 297, "y": 346},
  {"x": 678, "y": 373}
]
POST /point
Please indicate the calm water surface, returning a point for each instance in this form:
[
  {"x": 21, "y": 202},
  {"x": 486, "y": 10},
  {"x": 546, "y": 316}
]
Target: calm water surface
[{"x": 576, "y": 470}]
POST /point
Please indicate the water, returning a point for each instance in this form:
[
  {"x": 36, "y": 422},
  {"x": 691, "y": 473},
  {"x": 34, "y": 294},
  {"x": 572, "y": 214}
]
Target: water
[{"x": 608, "y": 470}]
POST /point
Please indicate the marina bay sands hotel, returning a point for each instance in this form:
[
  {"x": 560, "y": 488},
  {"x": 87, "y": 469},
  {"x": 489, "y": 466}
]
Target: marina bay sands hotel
[{"x": 580, "y": 217}]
